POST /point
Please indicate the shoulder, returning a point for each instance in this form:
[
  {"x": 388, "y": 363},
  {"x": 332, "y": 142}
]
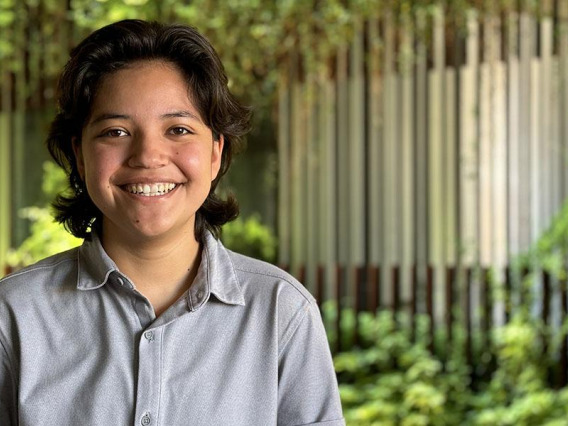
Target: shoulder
[
  {"x": 264, "y": 276},
  {"x": 53, "y": 270},
  {"x": 285, "y": 301}
]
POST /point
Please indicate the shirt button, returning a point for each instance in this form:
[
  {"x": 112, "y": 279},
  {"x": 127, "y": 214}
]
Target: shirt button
[
  {"x": 149, "y": 335},
  {"x": 199, "y": 294},
  {"x": 146, "y": 420}
]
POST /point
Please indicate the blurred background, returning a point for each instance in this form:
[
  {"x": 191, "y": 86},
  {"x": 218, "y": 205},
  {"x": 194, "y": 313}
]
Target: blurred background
[{"x": 407, "y": 164}]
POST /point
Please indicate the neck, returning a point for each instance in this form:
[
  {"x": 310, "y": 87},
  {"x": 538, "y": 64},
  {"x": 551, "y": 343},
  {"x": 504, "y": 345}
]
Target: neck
[{"x": 162, "y": 269}]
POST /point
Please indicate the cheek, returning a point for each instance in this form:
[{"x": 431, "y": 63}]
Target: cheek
[
  {"x": 99, "y": 165},
  {"x": 195, "y": 167},
  {"x": 196, "y": 162}
]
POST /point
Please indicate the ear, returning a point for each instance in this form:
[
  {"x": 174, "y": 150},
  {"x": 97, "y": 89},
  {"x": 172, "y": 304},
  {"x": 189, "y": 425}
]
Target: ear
[
  {"x": 79, "y": 161},
  {"x": 216, "y": 156}
]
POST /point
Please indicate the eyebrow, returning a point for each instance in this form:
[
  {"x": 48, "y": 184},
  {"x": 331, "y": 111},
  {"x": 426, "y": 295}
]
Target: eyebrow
[
  {"x": 174, "y": 114},
  {"x": 107, "y": 116}
]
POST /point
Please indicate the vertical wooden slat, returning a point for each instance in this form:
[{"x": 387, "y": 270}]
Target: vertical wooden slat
[
  {"x": 516, "y": 172},
  {"x": 467, "y": 314},
  {"x": 6, "y": 89},
  {"x": 555, "y": 118},
  {"x": 486, "y": 304},
  {"x": 356, "y": 157},
  {"x": 450, "y": 179},
  {"x": 406, "y": 198},
  {"x": 320, "y": 286},
  {"x": 435, "y": 141},
  {"x": 18, "y": 165},
  {"x": 430, "y": 305},
  {"x": 513, "y": 137},
  {"x": 536, "y": 153},
  {"x": 342, "y": 177},
  {"x": 284, "y": 207},
  {"x": 375, "y": 140},
  {"x": 297, "y": 177},
  {"x": 35, "y": 52},
  {"x": 311, "y": 183},
  {"x": 5, "y": 175},
  {"x": 557, "y": 152},
  {"x": 395, "y": 280},
  {"x": 499, "y": 163},
  {"x": 563, "y": 84},
  {"x": 301, "y": 273},
  {"x": 507, "y": 296},
  {"x": 420, "y": 154},
  {"x": 435, "y": 167},
  {"x": 414, "y": 301},
  {"x": 545, "y": 123},
  {"x": 468, "y": 178},
  {"x": 449, "y": 305},
  {"x": 339, "y": 306},
  {"x": 389, "y": 162},
  {"x": 373, "y": 288},
  {"x": 327, "y": 196},
  {"x": 525, "y": 166},
  {"x": 486, "y": 142},
  {"x": 355, "y": 278},
  {"x": 43, "y": 58}
]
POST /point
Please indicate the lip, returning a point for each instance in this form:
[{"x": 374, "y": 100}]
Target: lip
[{"x": 146, "y": 180}]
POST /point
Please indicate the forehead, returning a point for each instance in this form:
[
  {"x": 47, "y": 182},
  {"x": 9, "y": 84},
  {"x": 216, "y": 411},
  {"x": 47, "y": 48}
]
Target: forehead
[{"x": 151, "y": 84}]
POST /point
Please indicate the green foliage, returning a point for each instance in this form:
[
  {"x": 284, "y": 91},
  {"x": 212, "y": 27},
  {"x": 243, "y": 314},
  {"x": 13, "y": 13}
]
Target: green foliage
[
  {"x": 392, "y": 380},
  {"x": 254, "y": 38},
  {"x": 47, "y": 237},
  {"x": 250, "y": 237},
  {"x": 551, "y": 249}
]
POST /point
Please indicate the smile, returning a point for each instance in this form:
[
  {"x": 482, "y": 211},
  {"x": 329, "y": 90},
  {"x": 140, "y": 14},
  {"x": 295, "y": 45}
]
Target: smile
[{"x": 150, "y": 189}]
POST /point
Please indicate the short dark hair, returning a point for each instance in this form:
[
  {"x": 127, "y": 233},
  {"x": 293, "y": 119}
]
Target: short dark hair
[{"x": 112, "y": 48}]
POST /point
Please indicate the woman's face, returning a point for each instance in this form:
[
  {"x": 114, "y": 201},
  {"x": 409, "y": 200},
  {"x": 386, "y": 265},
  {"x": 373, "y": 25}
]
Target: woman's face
[{"x": 145, "y": 154}]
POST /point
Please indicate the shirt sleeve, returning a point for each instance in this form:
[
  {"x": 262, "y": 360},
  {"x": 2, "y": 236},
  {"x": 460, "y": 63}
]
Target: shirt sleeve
[
  {"x": 307, "y": 385},
  {"x": 7, "y": 390}
]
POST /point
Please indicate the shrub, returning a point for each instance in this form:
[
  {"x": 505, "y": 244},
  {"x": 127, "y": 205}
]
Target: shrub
[
  {"x": 392, "y": 380},
  {"x": 46, "y": 237},
  {"x": 250, "y": 237}
]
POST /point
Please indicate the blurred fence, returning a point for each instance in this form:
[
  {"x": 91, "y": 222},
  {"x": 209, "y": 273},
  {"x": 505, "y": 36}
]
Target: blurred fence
[
  {"x": 469, "y": 299},
  {"x": 426, "y": 146}
]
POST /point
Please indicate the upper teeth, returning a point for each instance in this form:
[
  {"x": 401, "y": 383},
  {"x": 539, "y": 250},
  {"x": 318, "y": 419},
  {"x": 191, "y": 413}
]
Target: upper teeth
[{"x": 150, "y": 190}]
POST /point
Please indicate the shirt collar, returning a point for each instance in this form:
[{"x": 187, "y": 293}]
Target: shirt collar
[
  {"x": 94, "y": 266},
  {"x": 216, "y": 274}
]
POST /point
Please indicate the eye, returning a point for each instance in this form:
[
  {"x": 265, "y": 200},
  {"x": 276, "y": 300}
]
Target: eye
[
  {"x": 115, "y": 133},
  {"x": 180, "y": 131}
]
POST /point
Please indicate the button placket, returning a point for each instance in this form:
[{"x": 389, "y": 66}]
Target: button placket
[{"x": 149, "y": 376}]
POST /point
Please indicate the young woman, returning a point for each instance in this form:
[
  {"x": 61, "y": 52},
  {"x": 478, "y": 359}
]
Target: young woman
[{"x": 152, "y": 321}]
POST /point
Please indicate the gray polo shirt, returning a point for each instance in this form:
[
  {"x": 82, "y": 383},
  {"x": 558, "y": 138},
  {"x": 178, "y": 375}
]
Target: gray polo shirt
[{"x": 80, "y": 346}]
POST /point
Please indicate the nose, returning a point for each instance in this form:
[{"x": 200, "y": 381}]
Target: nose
[{"x": 147, "y": 152}]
